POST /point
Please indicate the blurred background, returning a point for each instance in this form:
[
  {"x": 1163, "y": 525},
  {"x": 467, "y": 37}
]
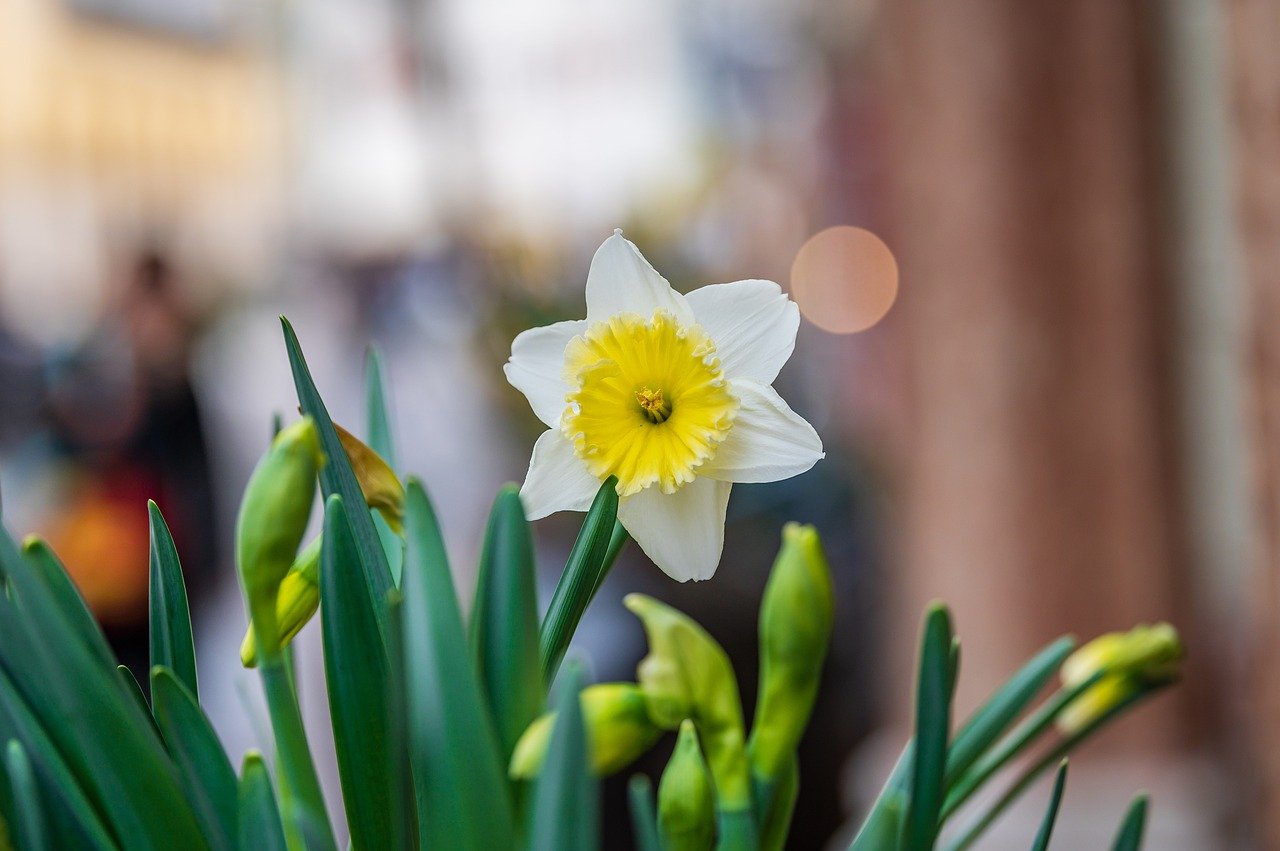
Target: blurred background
[{"x": 1036, "y": 246}]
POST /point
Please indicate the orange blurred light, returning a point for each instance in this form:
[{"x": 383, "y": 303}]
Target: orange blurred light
[{"x": 844, "y": 279}]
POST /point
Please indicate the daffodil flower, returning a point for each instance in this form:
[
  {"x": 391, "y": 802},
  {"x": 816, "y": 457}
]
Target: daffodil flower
[{"x": 671, "y": 394}]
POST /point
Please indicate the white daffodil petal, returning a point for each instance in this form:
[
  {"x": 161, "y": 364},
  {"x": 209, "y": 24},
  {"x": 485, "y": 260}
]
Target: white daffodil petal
[
  {"x": 537, "y": 361},
  {"x": 557, "y": 480},
  {"x": 753, "y": 324},
  {"x": 768, "y": 441},
  {"x": 682, "y": 532},
  {"x": 622, "y": 281}
]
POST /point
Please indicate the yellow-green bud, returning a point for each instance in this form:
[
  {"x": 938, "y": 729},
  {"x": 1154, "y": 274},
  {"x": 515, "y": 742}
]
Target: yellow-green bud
[
  {"x": 296, "y": 602},
  {"x": 381, "y": 487},
  {"x": 688, "y": 675},
  {"x": 686, "y": 797},
  {"x": 273, "y": 517},
  {"x": 619, "y": 730},
  {"x": 1144, "y": 657},
  {"x": 795, "y": 629}
]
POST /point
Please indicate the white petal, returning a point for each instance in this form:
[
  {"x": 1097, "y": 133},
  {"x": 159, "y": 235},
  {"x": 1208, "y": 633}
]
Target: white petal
[
  {"x": 753, "y": 324},
  {"x": 622, "y": 281},
  {"x": 557, "y": 479},
  {"x": 537, "y": 361},
  {"x": 768, "y": 441},
  {"x": 682, "y": 532}
]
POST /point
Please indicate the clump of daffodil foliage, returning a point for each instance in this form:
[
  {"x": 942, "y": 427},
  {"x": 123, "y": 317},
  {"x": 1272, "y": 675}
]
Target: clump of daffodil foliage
[{"x": 469, "y": 733}]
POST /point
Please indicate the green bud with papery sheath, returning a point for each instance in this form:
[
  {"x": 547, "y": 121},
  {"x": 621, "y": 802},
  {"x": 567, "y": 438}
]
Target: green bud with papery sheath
[
  {"x": 619, "y": 731},
  {"x": 273, "y": 517},
  {"x": 795, "y": 629},
  {"x": 686, "y": 797},
  {"x": 688, "y": 675},
  {"x": 296, "y": 602},
  {"x": 1145, "y": 657}
]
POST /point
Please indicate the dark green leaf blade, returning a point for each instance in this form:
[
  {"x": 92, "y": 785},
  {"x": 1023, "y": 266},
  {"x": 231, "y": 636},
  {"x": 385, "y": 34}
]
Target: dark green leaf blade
[
  {"x": 68, "y": 598},
  {"x": 381, "y": 441},
  {"x": 504, "y": 622},
  {"x": 1133, "y": 826},
  {"x": 1051, "y": 814},
  {"x": 29, "y": 816},
  {"x": 337, "y": 477},
  {"x": 203, "y": 766},
  {"x": 172, "y": 644},
  {"x": 590, "y": 559},
  {"x": 260, "y": 826},
  {"x": 644, "y": 820},
  {"x": 358, "y": 679},
  {"x": 566, "y": 797},
  {"x": 933, "y": 721},
  {"x": 460, "y": 780}
]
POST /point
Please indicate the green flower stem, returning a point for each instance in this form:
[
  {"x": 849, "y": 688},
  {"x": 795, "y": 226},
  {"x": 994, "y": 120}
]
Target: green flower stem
[
  {"x": 301, "y": 802},
  {"x": 1012, "y": 745},
  {"x": 736, "y": 830},
  {"x": 1050, "y": 760}
]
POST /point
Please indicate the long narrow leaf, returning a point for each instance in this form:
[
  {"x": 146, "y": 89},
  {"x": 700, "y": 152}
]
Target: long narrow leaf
[
  {"x": 29, "y": 817},
  {"x": 504, "y": 622},
  {"x": 566, "y": 797},
  {"x": 1133, "y": 826},
  {"x": 644, "y": 820},
  {"x": 584, "y": 571},
  {"x": 358, "y": 679},
  {"x": 885, "y": 816},
  {"x": 458, "y": 774},
  {"x": 381, "y": 441},
  {"x": 206, "y": 772},
  {"x": 933, "y": 720},
  {"x": 1051, "y": 814},
  {"x": 260, "y": 827},
  {"x": 172, "y": 644},
  {"x": 337, "y": 477},
  {"x": 70, "y": 603},
  {"x": 134, "y": 688}
]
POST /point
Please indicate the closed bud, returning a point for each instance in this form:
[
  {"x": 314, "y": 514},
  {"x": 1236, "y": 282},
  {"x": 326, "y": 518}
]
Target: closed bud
[
  {"x": 380, "y": 485},
  {"x": 686, "y": 797},
  {"x": 688, "y": 675},
  {"x": 618, "y": 727},
  {"x": 273, "y": 518},
  {"x": 1145, "y": 657},
  {"x": 795, "y": 629},
  {"x": 296, "y": 602}
]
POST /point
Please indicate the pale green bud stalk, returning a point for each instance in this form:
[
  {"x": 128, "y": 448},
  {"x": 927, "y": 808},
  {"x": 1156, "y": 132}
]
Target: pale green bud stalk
[
  {"x": 688, "y": 675},
  {"x": 296, "y": 602},
  {"x": 619, "y": 731},
  {"x": 273, "y": 517},
  {"x": 686, "y": 797},
  {"x": 1146, "y": 656},
  {"x": 795, "y": 629}
]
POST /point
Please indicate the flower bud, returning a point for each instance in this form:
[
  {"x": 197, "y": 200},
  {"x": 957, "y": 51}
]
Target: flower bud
[
  {"x": 296, "y": 602},
  {"x": 618, "y": 731},
  {"x": 1145, "y": 657},
  {"x": 273, "y": 518},
  {"x": 688, "y": 675},
  {"x": 381, "y": 487},
  {"x": 686, "y": 797},
  {"x": 795, "y": 628}
]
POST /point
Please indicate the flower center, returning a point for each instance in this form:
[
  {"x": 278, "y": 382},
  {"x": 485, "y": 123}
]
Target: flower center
[{"x": 649, "y": 403}]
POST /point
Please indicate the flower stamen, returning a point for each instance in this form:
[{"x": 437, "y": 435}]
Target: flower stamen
[{"x": 651, "y": 402}]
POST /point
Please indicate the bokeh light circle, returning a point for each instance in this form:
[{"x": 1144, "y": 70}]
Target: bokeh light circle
[{"x": 844, "y": 279}]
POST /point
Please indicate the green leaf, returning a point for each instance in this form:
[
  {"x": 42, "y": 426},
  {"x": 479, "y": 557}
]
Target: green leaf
[
  {"x": 1133, "y": 826},
  {"x": 504, "y": 622},
  {"x": 566, "y": 797},
  {"x": 134, "y": 688},
  {"x": 337, "y": 477},
  {"x": 644, "y": 821},
  {"x": 933, "y": 721},
  {"x": 882, "y": 831},
  {"x": 29, "y": 820},
  {"x": 70, "y": 603},
  {"x": 459, "y": 776},
  {"x": 991, "y": 720},
  {"x": 381, "y": 441},
  {"x": 357, "y": 674},
  {"x": 206, "y": 772},
  {"x": 101, "y": 731},
  {"x": 589, "y": 561},
  {"x": 1051, "y": 814},
  {"x": 260, "y": 827},
  {"x": 171, "y": 642}
]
